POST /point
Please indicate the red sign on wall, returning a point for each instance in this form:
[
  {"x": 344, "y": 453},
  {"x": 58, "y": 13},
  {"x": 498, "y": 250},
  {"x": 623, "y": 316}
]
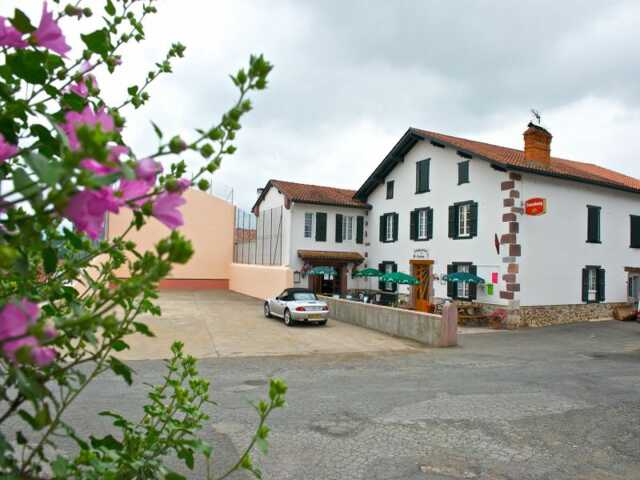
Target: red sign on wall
[{"x": 535, "y": 206}]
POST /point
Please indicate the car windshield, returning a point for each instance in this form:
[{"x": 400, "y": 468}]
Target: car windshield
[{"x": 304, "y": 296}]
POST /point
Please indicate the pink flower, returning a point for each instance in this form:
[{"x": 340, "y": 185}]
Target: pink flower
[
  {"x": 15, "y": 318},
  {"x": 116, "y": 151},
  {"x": 132, "y": 189},
  {"x": 87, "y": 117},
  {"x": 6, "y": 150},
  {"x": 43, "y": 356},
  {"x": 165, "y": 209},
  {"x": 147, "y": 169},
  {"x": 10, "y": 349},
  {"x": 49, "y": 35},
  {"x": 183, "y": 184},
  {"x": 10, "y": 37},
  {"x": 97, "y": 167},
  {"x": 87, "y": 210},
  {"x": 80, "y": 88}
]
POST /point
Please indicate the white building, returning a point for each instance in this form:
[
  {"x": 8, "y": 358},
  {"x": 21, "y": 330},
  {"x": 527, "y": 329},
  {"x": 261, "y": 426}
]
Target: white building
[{"x": 437, "y": 204}]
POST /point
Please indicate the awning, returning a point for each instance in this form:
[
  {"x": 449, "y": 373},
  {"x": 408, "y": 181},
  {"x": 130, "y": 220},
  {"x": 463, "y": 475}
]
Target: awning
[{"x": 342, "y": 257}]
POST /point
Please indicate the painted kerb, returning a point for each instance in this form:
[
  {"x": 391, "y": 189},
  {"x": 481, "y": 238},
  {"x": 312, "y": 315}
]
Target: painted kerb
[{"x": 429, "y": 329}]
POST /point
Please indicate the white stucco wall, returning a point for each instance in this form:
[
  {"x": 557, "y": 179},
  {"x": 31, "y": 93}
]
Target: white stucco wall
[
  {"x": 483, "y": 188},
  {"x": 554, "y": 247},
  {"x": 298, "y": 242}
]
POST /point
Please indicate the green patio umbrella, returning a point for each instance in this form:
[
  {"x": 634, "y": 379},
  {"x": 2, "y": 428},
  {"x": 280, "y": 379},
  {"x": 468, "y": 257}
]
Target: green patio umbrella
[
  {"x": 463, "y": 277},
  {"x": 322, "y": 271},
  {"x": 368, "y": 272},
  {"x": 400, "y": 278}
]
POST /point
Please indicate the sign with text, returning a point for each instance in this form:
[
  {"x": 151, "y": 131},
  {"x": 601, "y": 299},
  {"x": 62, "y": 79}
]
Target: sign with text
[
  {"x": 535, "y": 206},
  {"x": 421, "y": 253}
]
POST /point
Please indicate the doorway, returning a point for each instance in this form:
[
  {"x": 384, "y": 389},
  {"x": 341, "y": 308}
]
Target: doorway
[{"x": 421, "y": 293}]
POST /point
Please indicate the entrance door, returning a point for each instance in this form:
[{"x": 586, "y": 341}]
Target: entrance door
[{"x": 422, "y": 271}]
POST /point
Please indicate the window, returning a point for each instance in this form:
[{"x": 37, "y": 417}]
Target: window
[
  {"x": 308, "y": 225},
  {"x": 387, "y": 267},
  {"x": 463, "y": 220},
  {"x": 421, "y": 224},
  {"x": 593, "y": 224},
  {"x": 304, "y": 296},
  {"x": 462, "y": 288},
  {"x": 463, "y": 172},
  {"x": 347, "y": 228},
  {"x": 422, "y": 176},
  {"x": 390, "y": 189},
  {"x": 635, "y": 231},
  {"x": 389, "y": 228},
  {"x": 593, "y": 280},
  {"x": 359, "y": 229},
  {"x": 321, "y": 227}
]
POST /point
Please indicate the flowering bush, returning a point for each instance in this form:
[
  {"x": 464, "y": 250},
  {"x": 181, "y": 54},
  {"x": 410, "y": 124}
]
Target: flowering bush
[{"x": 63, "y": 312}]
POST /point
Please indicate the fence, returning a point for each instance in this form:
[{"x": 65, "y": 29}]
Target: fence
[{"x": 258, "y": 239}]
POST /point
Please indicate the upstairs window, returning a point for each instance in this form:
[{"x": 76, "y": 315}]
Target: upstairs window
[
  {"x": 308, "y": 225},
  {"x": 389, "y": 227},
  {"x": 390, "y": 184},
  {"x": 463, "y": 220},
  {"x": 593, "y": 224},
  {"x": 421, "y": 224},
  {"x": 347, "y": 228},
  {"x": 463, "y": 172},
  {"x": 321, "y": 227},
  {"x": 593, "y": 279},
  {"x": 635, "y": 231},
  {"x": 422, "y": 176}
]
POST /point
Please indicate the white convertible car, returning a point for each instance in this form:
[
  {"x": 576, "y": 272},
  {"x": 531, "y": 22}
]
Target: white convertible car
[{"x": 297, "y": 305}]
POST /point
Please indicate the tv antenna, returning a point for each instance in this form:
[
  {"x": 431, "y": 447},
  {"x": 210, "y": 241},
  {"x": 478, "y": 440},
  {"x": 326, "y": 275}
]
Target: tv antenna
[{"x": 536, "y": 114}]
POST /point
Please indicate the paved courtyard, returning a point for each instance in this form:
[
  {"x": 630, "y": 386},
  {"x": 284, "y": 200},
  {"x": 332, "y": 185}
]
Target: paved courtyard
[
  {"x": 221, "y": 323},
  {"x": 554, "y": 403}
]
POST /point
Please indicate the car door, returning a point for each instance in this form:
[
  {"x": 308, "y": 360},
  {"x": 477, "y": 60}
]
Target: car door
[{"x": 278, "y": 304}]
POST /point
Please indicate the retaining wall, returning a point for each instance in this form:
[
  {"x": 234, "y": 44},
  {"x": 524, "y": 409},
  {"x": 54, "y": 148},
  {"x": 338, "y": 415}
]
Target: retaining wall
[
  {"x": 259, "y": 281},
  {"x": 429, "y": 329}
]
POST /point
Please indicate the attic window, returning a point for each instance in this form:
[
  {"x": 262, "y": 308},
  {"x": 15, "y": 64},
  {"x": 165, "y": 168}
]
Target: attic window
[
  {"x": 437, "y": 144},
  {"x": 463, "y": 154}
]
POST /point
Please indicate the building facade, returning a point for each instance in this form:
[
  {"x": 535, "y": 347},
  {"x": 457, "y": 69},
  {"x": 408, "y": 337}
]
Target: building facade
[{"x": 554, "y": 240}]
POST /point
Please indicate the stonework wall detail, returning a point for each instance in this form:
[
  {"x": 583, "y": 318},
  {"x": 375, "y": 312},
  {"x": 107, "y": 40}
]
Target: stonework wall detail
[{"x": 539, "y": 316}]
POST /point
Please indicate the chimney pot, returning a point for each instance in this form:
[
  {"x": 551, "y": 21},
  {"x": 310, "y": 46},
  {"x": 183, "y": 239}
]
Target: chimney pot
[{"x": 537, "y": 145}]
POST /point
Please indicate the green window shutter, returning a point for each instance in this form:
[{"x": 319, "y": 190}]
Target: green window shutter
[
  {"x": 593, "y": 224},
  {"x": 321, "y": 227},
  {"x": 380, "y": 282},
  {"x": 429, "y": 223},
  {"x": 422, "y": 176},
  {"x": 451, "y": 286},
  {"x": 473, "y": 225},
  {"x": 383, "y": 228},
  {"x": 635, "y": 231},
  {"x": 396, "y": 218},
  {"x": 338, "y": 228},
  {"x": 463, "y": 172},
  {"x": 473, "y": 288},
  {"x": 413, "y": 224},
  {"x": 585, "y": 285},
  {"x": 394, "y": 268},
  {"x": 360, "y": 229},
  {"x": 600, "y": 285},
  {"x": 453, "y": 221}
]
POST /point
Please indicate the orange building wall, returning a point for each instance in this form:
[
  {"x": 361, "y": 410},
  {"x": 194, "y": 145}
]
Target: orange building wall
[{"x": 208, "y": 223}]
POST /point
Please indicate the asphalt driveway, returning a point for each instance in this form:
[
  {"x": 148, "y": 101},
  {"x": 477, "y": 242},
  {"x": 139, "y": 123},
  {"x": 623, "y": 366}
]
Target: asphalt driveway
[
  {"x": 222, "y": 323},
  {"x": 556, "y": 403}
]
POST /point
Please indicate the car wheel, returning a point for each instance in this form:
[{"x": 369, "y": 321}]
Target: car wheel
[
  {"x": 322, "y": 323},
  {"x": 267, "y": 310},
  {"x": 288, "y": 321}
]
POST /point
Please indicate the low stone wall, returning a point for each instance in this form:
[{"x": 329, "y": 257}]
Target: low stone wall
[
  {"x": 429, "y": 329},
  {"x": 539, "y": 316}
]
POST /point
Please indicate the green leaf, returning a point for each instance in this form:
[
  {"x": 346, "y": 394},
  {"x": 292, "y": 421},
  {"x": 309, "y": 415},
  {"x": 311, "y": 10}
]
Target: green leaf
[
  {"x": 23, "y": 183},
  {"x": 60, "y": 467},
  {"x": 143, "y": 329},
  {"x": 107, "y": 442},
  {"x": 174, "y": 476},
  {"x": 132, "y": 90},
  {"x": 157, "y": 130},
  {"x": 186, "y": 454},
  {"x": 73, "y": 102},
  {"x": 119, "y": 345},
  {"x": 262, "y": 445},
  {"x": 110, "y": 8},
  {"x": 47, "y": 170},
  {"x": 74, "y": 239},
  {"x": 29, "y": 66},
  {"x": 22, "y": 22},
  {"x": 50, "y": 259},
  {"x": 98, "y": 42},
  {"x": 121, "y": 369}
]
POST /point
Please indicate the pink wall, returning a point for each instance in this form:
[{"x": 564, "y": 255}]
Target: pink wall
[
  {"x": 208, "y": 223},
  {"x": 260, "y": 281}
]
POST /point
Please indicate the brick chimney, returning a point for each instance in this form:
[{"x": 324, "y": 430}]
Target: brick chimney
[{"x": 537, "y": 145}]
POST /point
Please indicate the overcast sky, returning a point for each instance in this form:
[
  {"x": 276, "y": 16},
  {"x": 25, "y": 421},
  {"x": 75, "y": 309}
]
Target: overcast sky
[{"x": 351, "y": 76}]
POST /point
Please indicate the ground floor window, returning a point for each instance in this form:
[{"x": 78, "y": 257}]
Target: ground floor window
[
  {"x": 462, "y": 290},
  {"x": 388, "y": 267},
  {"x": 593, "y": 284}
]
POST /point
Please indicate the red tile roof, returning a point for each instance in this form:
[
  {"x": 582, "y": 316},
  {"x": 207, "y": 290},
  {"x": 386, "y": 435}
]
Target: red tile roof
[
  {"x": 315, "y": 194},
  {"x": 559, "y": 166}
]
